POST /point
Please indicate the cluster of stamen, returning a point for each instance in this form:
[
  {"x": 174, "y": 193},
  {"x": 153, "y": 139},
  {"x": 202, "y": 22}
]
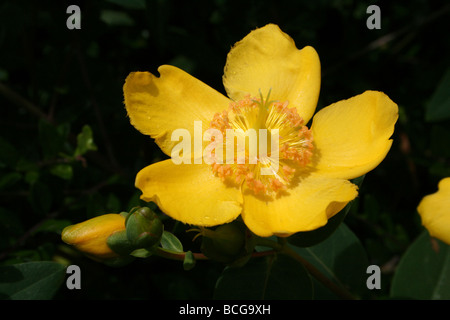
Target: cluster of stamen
[{"x": 295, "y": 147}]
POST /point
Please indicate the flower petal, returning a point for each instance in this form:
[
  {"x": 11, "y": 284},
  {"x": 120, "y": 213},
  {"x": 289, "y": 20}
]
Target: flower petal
[
  {"x": 267, "y": 59},
  {"x": 306, "y": 207},
  {"x": 351, "y": 137},
  {"x": 159, "y": 105},
  {"x": 434, "y": 211},
  {"x": 190, "y": 193}
]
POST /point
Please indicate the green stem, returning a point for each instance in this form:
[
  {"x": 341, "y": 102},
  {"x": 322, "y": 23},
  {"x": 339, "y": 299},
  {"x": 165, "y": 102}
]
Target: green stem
[
  {"x": 177, "y": 255},
  {"x": 284, "y": 248},
  {"x": 278, "y": 247}
]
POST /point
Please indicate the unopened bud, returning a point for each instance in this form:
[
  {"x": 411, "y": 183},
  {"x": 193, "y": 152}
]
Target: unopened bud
[
  {"x": 91, "y": 236},
  {"x": 226, "y": 243},
  {"x": 189, "y": 261},
  {"x": 119, "y": 243},
  {"x": 144, "y": 228}
]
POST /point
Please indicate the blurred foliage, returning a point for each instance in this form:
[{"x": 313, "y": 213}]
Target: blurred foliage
[{"x": 69, "y": 153}]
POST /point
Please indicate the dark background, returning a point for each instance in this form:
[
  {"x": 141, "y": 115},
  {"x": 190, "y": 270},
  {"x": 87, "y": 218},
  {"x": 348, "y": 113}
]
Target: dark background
[{"x": 54, "y": 81}]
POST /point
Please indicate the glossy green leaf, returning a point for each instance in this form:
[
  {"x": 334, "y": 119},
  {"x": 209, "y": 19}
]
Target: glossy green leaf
[
  {"x": 170, "y": 242},
  {"x": 85, "y": 141},
  {"x": 31, "y": 281},
  {"x": 438, "y": 107},
  {"x": 424, "y": 270},
  {"x": 341, "y": 258},
  {"x": 141, "y": 253},
  {"x": 271, "y": 277},
  {"x": 62, "y": 170}
]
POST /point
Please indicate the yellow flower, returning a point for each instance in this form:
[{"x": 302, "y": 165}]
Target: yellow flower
[
  {"x": 434, "y": 210},
  {"x": 273, "y": 86},
  {"x": 90, "y": 237}
]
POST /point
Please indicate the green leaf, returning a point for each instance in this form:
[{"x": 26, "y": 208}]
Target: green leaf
[
  {"x": 31, "y": 281},
  {"x": 341, "y": 258},
  {"x": 438, "y": 108},
  {"x": 130, "y": 4},
  {"x": 424, "y": 271},
  {"x": 62, "y": 170},
  {"x": 31, "y": 177},
  {"x": 116, "y": 18},
  {"x": 271, "y": 277},
  {"x": 141, "y": 253},
  {"x": 170, "y": 242},
  {"x": 85, "y": 141},
  {"x": 310, "y": 238},
  {"x": 9, "y": 179}
]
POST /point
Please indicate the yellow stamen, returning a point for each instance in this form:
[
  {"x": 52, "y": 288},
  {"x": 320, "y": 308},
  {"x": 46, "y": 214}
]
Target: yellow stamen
[{"x": 295, "y": 146}]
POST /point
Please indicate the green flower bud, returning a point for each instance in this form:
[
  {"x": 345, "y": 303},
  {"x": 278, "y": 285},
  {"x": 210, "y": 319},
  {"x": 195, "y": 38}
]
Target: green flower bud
[
  {"x": 225, "y": 244},
  {"x": 143, "y": 228},
  {"x": 189, "y": 261},
  {"x": 119, "y": 243}
]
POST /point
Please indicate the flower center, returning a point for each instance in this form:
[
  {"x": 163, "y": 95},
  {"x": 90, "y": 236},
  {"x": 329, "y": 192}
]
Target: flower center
[{"x": 265, "y": 142}]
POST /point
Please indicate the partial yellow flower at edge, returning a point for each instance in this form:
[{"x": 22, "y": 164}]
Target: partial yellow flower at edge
[
  {"x": 90, "y": 236},
  {"x": 434, "y": 210},
  {"x": 272, "y": 85}
]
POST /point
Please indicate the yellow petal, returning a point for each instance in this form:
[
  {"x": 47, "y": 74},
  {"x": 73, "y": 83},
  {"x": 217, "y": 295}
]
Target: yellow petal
[
  {"x": 267, "y": 59},
  {"x": 159, "y": 105},
  {"x": 305, "y": 207},
  {"x": 189, "y": 193},
  {"x": 91, "y": 236},
  {"x": 434, "y": 211},
  {"x": 351, "y": 137}
]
